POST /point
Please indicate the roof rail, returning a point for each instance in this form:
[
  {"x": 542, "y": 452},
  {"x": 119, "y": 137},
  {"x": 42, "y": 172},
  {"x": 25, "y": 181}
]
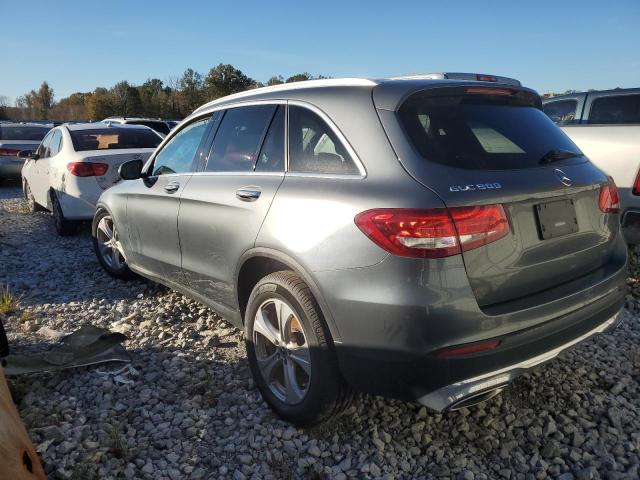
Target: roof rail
[
  {"x": 480, "y": 77},
  {"x": 325, "y": 82}
]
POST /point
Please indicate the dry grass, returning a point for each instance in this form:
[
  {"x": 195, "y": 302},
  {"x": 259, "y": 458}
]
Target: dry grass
[{"x": 9, "y": 302}]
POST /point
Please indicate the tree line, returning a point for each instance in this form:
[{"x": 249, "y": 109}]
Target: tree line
[{"x": 174, "y": 98}]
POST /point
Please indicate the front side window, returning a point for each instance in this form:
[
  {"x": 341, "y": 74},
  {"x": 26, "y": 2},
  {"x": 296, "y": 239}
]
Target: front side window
[
  {"x": 562, "y": 111},
  {"x": 235, "y": 146},
  {"x": 178, "y": 154},
  {"x": 615, "y": 109},
  {"x": 314, "y": 147}
]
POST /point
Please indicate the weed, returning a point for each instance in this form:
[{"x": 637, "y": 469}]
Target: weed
[
  {"x": 9, "y": 302},
  {"x": 116, "y": 446}
]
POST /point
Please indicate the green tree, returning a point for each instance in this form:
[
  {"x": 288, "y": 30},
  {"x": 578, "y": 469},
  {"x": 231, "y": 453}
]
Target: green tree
[
  {"x": 275, "y": 80},
  {"x": 191, "y": 90},
  {"x": 100, "y": 104},
  {"x": 152, "y": 97},
  {"x": 225, "y": 80},
  {"x": 126, "y": 99},
  {"x": 300, "y": 77}
]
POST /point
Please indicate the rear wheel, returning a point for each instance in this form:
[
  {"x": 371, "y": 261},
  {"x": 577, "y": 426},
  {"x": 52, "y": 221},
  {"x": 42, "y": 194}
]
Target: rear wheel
[
  {"x": 106, "y": 245},
  {"x": 64, "y": 226},
  {"x": 31, "y": 201},
  {"x": 290, "y": 352}
]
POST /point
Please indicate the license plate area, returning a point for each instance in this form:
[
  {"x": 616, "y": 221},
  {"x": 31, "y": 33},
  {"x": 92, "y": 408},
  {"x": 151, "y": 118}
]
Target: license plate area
[{"x": 556, "y": 219}]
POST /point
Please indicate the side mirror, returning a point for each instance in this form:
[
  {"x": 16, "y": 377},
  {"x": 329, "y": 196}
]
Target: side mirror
[
  {"x": 28, "y": 155},
  {"x": 131, "y": 170}
]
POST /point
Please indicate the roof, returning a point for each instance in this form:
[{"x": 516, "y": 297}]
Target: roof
[
  {"x": 99, "y": 126},
  {"x": 133, "y": 119},
  {"x": 25, "y": 124},
  {"x": 388, "y": 91}
]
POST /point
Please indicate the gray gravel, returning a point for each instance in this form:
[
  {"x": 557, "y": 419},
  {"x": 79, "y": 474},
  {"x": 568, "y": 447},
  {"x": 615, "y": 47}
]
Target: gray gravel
[{"x": 187, "y": 407}]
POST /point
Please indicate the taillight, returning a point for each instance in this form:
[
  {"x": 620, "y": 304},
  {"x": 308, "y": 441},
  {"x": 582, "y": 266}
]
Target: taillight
[
  {"x": 636, "y": 184},
  {"x": 489, "y": 91},
  {"x": 433, "y": 233},
  {"x": 609, "y": 201},
  {"x": 87, "y": 169},
  {"x": 485, "y": 78},
  {"x": 8, "y": 151}
]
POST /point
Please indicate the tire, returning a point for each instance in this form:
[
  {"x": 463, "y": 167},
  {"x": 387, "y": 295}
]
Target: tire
[
  {"x": 109, "y": 256},
  {"x": 31, "y": 201},
  {"x": 307, "y": 396},
  {"x": 64, "y": 226}
]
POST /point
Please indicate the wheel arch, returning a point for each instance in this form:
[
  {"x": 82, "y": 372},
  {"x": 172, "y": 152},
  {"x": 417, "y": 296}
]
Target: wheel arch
[{"x": 258, "y": 262}]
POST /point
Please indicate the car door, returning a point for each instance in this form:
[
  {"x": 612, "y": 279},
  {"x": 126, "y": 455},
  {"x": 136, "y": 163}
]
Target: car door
[
  {"x": 38, "y": 177},
  {"x": 223, "y": 206},
  {"x": 153, "y": 202}
]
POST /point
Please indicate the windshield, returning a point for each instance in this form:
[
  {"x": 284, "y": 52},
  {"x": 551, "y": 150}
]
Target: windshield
[
  {"x": 23, "y": 133},
  {"x": 481, "y": 131},
  {"x": 114, "y": 138}
]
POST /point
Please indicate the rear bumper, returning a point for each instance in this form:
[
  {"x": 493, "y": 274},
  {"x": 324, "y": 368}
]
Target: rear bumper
[
  {"x": 393, "y": 319},
  {"x": 468, "y": 390},
  {"x": 10, "y": 167}
]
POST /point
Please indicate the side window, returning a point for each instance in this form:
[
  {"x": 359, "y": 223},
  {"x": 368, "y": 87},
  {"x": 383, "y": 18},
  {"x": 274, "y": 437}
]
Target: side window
[
  {"x": 271, "y": 157},
  {"x": 45, "y": 146},
  {"x": 54, "y": 146},
  {"x": 178, "y": 154},
  {"x": 615, "y": 109},
  {"x": 562, "y": 111},
  {"x": 235, "y": 146},
  {"x": 314, "y": 147}
]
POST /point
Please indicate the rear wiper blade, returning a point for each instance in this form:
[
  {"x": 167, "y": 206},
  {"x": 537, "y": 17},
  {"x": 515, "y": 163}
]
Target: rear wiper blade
[{"x": 554, "y": 155}]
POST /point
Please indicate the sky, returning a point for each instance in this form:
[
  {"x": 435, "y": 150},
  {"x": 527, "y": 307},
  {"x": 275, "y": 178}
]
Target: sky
[{"x": 551, "y": 46}]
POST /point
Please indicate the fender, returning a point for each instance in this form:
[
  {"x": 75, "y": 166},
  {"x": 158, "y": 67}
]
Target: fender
[{"x": 297, "y": 267}]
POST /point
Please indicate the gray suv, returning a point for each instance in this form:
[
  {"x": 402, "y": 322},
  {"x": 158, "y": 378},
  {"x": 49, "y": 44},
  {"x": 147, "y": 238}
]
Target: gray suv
[{"x": 427, "y": 239}]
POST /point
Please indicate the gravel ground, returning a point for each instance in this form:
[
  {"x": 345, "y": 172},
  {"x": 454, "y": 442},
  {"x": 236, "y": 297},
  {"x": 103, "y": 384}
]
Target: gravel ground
[{"x": 188, "y": 408}]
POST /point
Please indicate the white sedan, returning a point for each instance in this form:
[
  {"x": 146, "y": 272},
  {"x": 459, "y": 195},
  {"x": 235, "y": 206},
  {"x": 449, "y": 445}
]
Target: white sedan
[{"x": 74, "y": 164}]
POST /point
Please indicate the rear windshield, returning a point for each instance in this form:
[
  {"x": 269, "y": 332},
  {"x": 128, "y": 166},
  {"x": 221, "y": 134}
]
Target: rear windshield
[
  {"x": 114, "y": 138},
  {"x": 23, "y": 133},
  {"x": 480, "y": 131},
  {"x": 161, "y": 127}
]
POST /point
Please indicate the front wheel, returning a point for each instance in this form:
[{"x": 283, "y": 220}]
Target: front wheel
[
  {"x": 107, "y": 247},
  {"x": 290, "y": 353}
]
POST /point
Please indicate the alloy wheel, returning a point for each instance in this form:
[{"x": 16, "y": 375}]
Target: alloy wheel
[
  {"x": 108, "y": 244},
  {"x": 282, "y": 351}
]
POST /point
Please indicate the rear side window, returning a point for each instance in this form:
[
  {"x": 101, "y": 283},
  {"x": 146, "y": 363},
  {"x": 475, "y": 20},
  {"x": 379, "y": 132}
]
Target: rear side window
[
  {"x": 113, "y": 138},
  {"x": 271, "y": 156},
  {"x": 178, "y": 154},
  {"x": 23, "y": 133},
  {"x": 615, "y": 109},
  {"x": 314, "y": 147},
  {"x": 235, "y": 146},
  {"x": 561, "y": 112},
  {"x": 479, "y": 131}
]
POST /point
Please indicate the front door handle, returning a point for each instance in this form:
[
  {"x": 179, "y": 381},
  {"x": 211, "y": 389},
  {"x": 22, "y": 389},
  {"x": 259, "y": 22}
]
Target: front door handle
[
  {"x": 248, "y": 194},
  {"x": 172, "y": 187}
]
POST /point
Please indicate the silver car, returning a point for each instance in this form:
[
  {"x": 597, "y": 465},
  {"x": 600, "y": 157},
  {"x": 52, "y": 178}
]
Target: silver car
[
  {"x": 425, "y": 238},
  {"x": 15, "y": 137}
]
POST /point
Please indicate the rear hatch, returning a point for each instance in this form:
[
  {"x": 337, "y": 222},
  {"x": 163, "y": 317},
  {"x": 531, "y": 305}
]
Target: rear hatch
[{"x": 479, "y": 145}]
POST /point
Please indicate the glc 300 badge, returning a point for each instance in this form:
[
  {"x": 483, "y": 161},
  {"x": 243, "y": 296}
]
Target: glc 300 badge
[{"x": 474, "y": 186}]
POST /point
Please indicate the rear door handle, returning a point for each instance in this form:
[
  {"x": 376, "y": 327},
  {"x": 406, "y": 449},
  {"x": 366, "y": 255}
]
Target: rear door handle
[
  {"x": 248, "y": 194},
  {"x": 172, "y": 187}
]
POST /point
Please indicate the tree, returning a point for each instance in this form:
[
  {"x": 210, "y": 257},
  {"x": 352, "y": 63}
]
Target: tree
[
  {"x": 4, "y": 103},
  {"x": 126, "y": 99},
  {"x": 191, "y": 90},
  {"x": 71, "y": 107},
  {"x": 99, "y": 104},
  {"x": 225, "y": 80},
  {"x": 275, "y": 80},
  {"x": 152, "y": 97},
  {"x": 300, "y": 77}
]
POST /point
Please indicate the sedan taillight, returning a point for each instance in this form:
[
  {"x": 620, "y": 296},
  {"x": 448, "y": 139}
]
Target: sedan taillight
[
  {"x": 87, "y": 169},
  {"x": 8, "y": 151},
  {"x": 609, "y": 200},
  {"x": 636, "y": 184},
  {"x": 433, "y": 233}
]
